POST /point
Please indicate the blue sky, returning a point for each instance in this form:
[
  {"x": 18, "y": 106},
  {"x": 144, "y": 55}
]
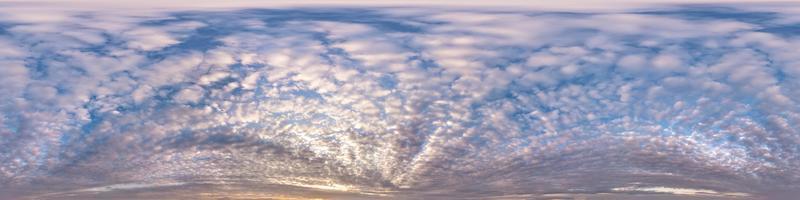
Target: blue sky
[{"x": 350, "y": 101}]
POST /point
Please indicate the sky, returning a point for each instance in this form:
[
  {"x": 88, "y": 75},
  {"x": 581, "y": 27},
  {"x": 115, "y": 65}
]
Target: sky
[{"x": 399, "y": 100}]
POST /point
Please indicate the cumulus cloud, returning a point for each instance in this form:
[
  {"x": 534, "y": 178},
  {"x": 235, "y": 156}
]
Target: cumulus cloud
[{"x": 418, "y": 102}]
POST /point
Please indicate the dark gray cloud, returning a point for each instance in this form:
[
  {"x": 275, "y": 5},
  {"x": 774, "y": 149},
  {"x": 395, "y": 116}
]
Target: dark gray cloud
[{"x": 366, "y": 103}]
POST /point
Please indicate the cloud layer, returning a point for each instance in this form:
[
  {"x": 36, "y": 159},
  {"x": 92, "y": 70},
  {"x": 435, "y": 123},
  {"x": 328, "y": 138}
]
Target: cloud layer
[{"x": 400, "y": 102}]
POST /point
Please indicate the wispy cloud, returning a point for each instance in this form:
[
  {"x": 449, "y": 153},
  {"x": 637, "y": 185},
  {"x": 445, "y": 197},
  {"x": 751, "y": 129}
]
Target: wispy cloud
[{"x": 401, "y": 101}]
